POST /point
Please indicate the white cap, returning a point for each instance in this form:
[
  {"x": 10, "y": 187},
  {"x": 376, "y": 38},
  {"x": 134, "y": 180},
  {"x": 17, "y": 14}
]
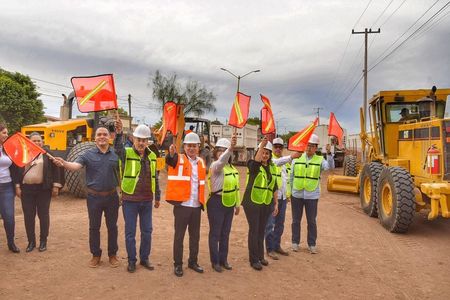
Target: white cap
[
  {"x": 223, "y": 142},
  {"x": 278, "y": 141},
  {"x": 142, "y": 131},
  {"x": 314, "y": 139},
  {"x": 268, "y": 146},
  {"x": 191, "y": 138}
]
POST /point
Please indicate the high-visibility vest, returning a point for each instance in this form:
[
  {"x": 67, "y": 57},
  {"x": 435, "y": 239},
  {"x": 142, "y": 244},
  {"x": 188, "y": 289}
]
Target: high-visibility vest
[
  {"x": 179, "y": 180},
  {"x": 230, "y": 189},
  {"x": 288, "y": 180},
  {"x": 307, "y": 174},
  {"x": 277, "y": 173},
  {"x": 262, "y": 189},
  {"x": 133, "y": 169}
]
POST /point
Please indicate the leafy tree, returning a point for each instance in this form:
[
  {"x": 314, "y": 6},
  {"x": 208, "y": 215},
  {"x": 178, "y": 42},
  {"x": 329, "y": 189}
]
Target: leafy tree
[
  {"x": 196, "y": 98},
  {"x": 254, "y": 121},
  {"x": 288, "y": 135},
  {"x": 122, "y": 112},
  {"x": 19, "y": 103}
]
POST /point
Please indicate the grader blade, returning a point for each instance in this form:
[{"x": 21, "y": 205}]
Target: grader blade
[{"x": 346, "y": 184}]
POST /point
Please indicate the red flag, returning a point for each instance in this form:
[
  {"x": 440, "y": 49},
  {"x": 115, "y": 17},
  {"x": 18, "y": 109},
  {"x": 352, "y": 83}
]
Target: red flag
[
  {"x": 335, "y": 129},
  {"x": 169, "y": 121},
  {"x": 239, "y": 111},
  {"x": 21, "y": 150},
  {"x": 95, "y": 93},
  {"x": 267, "y": 119},
  {"x": 299, "y": 141}
]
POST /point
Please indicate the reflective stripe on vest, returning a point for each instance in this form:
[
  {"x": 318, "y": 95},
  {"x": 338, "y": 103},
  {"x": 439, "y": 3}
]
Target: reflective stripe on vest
[
  {"x": 133, "y": 169},
  {"x": 307, "y": 174},
  {"x": 230, "y": 190}
]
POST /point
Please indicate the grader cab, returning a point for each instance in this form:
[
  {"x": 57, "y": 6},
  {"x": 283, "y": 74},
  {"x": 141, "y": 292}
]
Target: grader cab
[{"x": 404, "y": 166}]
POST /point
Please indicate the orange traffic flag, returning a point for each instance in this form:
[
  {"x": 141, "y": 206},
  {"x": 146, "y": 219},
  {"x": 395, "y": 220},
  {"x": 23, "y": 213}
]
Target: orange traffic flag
[
  {"x": 267, "y": 119},
  {"x": 95, "y": 93},
  {"x": 299, "y": 141},
  {"x": 169, "y": 120},
  {"x": 239, "y": 111},
  {"x": 21, "y": 150},
  {"x": 335, "y": 129}
]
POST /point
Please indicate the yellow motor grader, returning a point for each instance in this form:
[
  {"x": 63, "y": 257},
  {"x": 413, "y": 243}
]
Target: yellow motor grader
[{"x": 405, "y": 161}]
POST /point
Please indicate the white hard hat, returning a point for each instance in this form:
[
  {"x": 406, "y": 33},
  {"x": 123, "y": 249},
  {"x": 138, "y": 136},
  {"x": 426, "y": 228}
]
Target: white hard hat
[
  {"x": 223, "y": 142},
  {"x": 268, "y": 146},
  {"x": 278, "y": 141},
  {"x": 191, "y": 138},
  {"x": 142, "y": 131},
  {"x": 314, "y": 139}
]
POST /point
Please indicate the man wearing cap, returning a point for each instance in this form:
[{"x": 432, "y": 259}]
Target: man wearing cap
[
  {"x": 275, "y": 224},
  {"x": 186, "y": 191},
  {"x": 305, "y": 178},
  {"x": 405, "y": 115},
  {"x": 139, "y": 187}
]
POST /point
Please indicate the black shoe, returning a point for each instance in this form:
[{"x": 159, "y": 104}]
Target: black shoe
[
  {"x": 178, "y": 270},
  {"x": 146, "y": 264},
  {"x": 31, "y": 246},
  {"x": 195, "y": 267},
  {"x": 131, "y": 267},
  {"x": 217, "y": 268},
  {"x": 13, "y": 248},
  {"x": 226, "y": 266},
  {"x": 257, "y": 266},
  {"x": 43, "y": 246},
  {"x": 264, "y": 262}
]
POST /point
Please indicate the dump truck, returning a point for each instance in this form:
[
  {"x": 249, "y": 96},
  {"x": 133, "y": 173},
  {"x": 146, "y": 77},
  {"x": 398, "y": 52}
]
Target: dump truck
[{"x": 404, "y": 166}]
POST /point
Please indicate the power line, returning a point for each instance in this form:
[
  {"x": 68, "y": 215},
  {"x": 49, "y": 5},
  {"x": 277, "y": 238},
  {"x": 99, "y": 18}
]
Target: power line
[
  {"x": 359, "y": 19},
  {"x": 349, "y": 94},
  {"x": 388, "y": 18},
  {"x": 381, "y": 14},
  {"x": 49, "y": 82},
  {"x": 432, "y": 25}
]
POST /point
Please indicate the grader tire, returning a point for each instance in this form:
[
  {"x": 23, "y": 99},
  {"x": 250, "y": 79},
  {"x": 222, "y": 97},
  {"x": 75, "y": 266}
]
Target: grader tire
[
  {"x": 368, "y": 183},
  {"x": 350, "y": 166},
  {"x": 76, "y": 180},
  {"x": 396, "y": 199}
]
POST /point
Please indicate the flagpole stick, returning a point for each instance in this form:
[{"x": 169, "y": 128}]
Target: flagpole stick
[{"x": 50, "y": 156}]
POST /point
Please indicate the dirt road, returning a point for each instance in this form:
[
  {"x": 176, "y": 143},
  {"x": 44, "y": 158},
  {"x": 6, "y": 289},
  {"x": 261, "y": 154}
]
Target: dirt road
[{"x": 357, "y": 259}]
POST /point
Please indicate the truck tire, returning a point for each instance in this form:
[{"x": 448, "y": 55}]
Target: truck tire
[
  {"x": 368, "y": 183},
  {"x": 350, "y": 166},
  {"x": 396, "y": 199},
  {"x": 76, "y": 180}
]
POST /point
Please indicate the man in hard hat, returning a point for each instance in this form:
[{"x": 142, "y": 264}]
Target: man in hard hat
[
  {"x": 140, "y": 189},
  {"x": 305, "y": 178},
  {"x": 275, "y": 224},
  {"x": 186, "y": 191}
]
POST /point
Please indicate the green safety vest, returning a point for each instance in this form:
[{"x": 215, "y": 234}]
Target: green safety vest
[
  {"x": 262, "y": 189},
  {"x": 133, "y": 168},
  {"x": 307, "y": 174},
  {"x": 230, "y": 189},
  {"x": 277, "y": 173},
  {"x": 288, "y": 180}
]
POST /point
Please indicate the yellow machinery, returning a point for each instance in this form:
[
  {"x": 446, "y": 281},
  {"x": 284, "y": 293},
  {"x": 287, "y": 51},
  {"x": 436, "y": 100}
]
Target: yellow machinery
[{"x": 405, "y": 162}]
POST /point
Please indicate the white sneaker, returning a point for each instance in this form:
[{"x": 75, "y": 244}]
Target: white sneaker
[
  {"x": 295, "y": 247},
  {"x": 312, "y": 249}
]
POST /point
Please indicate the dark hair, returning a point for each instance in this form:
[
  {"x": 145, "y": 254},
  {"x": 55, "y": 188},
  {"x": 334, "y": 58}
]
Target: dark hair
[
  {"x": 269, "y": 161},
  {"x": 2, "y": 126}
]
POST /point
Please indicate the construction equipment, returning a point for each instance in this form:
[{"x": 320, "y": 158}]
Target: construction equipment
[{"x": 405, "y": 162}]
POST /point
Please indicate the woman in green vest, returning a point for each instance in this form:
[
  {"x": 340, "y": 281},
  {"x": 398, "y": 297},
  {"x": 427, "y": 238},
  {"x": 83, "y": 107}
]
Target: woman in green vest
[
  {"x": 223, "y": 202},
  {"x": 259, "y": 194}
]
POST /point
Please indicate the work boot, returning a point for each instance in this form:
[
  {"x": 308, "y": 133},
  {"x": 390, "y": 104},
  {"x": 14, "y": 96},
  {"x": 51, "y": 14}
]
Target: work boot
[
  {"x": 257, "y": 266},
  {"x": 273, "y": 255},
  {"x": 282, "y": 252},
  {"x": 94, "y": 262},
  {"x": 178, "y": 270},
  {"x": 131, "y": 267},
  {"x": 313, "y": 249},
  {"x": 31, "y": 246},
  {"x": 295, "y": 247},
  {"x": 195, "y": 267},
  {"x": 264, "y": 262},
  {"x": 146, "y": 264},
  {"x": 217, "y": 268},
  {"x": 113, "y": 261},
  {"x": 43, "y": 246},
  {"x": 13, "y": 248},
  {"x": 226, "y": 266}
]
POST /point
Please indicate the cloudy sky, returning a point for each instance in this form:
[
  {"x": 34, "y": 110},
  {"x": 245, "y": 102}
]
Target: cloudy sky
[{"x": 305, "y": 50}]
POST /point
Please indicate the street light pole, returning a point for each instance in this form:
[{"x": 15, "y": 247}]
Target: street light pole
[{"x": 239, "y": 77}]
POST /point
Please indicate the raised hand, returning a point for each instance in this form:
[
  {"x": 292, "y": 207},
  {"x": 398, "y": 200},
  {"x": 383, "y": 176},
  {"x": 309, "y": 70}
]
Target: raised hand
[
  {"x": 118, "y": 125},
  {"x": 172, "y": 150}
]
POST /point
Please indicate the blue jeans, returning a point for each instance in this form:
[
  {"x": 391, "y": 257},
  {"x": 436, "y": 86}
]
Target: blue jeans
[
  {"x": 311, "y": 216},
  {"x": 7, "y": 209},
  {"x": 275, "y": 227},
  {"x": 131, "y": 210}
]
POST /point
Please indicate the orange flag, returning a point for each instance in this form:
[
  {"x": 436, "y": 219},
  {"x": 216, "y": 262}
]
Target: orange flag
[
  {"x": 267, "y": 119},
  {"x": 239, "y": 111},
  {"x": 21, "y": 150},
  {"x": 299, "y": 141},
  {"x": 335, "y": 129},
  {"x": 95, "y": 93},
  {"x": 169, "y": 121}
]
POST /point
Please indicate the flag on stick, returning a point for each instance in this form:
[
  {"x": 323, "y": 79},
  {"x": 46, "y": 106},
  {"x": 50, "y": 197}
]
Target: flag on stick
[
  {"x": 21, "y": 150},
  {"x": 267, "y": 119},
  {"x": 335, "y": 129},
  {"x": 299, "y": 141},
  {"x": 239, "y": 111},
  {"x": 169, "y": 121},
  {"x": 95, "y": 93}
]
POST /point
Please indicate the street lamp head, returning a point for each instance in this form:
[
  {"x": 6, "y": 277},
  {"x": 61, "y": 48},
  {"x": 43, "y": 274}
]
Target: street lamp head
[{"x": 256, "y": 71}]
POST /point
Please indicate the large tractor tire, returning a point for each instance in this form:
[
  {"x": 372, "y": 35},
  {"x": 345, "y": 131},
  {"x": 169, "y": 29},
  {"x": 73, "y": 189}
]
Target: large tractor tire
[
  {"x": 76, "y": 180},
  {"x": 350, "y": 168},
  {"x": 368, "y": 183},
  {"x": 396, "y": 199}
]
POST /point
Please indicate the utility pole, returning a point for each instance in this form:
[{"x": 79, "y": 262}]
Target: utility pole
[
  {"x": 129, "y": 106},
  {"x": 317, "y": 109}
]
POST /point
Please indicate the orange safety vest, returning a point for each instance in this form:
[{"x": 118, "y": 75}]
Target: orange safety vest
[{"x": 179, "y": 180}]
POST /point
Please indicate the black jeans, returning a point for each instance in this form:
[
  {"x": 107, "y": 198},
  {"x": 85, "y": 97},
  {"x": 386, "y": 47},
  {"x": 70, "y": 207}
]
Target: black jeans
[
  {"x": 36, "y": 199},
  {"x": 311, "y": 216},
  {"x": 186, "y": 217},
  {"x": 220, "y": 219},
  {"x": 97, "y": 205},
  {"x": 257, "y": 216}
]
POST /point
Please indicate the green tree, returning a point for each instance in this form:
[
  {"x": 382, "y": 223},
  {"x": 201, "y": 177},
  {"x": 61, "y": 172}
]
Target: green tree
[
  {"x": 196, "y": 98},
  {"x": 288, "y": 135},
  {"x": 19, "y": 103},
  {"x": 254, "y": 121},
  {"x": 122, "y": 112}
]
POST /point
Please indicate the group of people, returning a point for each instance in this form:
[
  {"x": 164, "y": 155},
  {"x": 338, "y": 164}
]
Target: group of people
[{"x": 272, "y": 180}]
